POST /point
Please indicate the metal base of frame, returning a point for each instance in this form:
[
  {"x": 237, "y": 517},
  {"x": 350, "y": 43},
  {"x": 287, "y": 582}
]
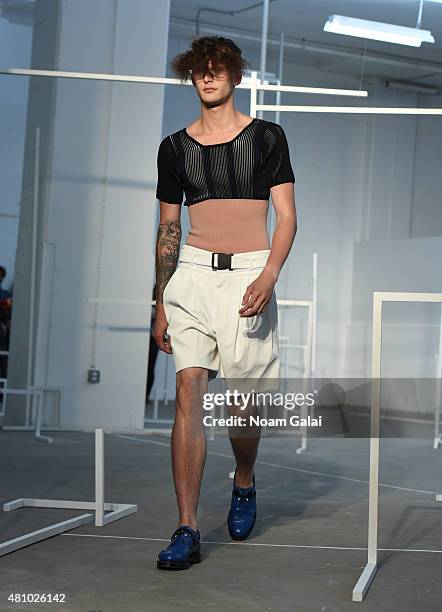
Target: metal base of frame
[
  {"x": 364, "y": 581},
  {"x": 115, "y": 511}
]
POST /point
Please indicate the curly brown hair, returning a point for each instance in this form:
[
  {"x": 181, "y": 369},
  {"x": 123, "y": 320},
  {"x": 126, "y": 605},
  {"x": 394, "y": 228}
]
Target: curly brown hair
[{"x": 222, "y": 51}]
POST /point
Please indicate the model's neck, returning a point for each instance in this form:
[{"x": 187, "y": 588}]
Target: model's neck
[{"x": 219, "y": 119}]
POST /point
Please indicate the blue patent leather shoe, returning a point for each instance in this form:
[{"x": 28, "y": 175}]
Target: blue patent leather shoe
[
  {"x": 183, "y": 550},
  {"x": 242, "y": 514}
]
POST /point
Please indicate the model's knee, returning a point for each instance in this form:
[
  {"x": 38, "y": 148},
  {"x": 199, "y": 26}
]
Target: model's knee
[{"x": 191, "y": 384}]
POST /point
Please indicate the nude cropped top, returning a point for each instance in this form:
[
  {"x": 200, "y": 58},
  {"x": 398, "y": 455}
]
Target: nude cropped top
[{"x": 245, "y": 167}]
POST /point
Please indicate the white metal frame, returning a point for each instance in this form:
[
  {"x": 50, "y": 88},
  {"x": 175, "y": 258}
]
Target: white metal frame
[
  {"x": 247, "y": 83},
  {"x": 33, "y": 420},
  {"x": 32, "y": 390},
  {"x": 308, "y": 348},
  {"x": 116, "y": 511},
  {"x": 379, "y": 297}
]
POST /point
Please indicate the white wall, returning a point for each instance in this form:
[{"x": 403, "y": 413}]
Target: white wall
[
  {"x": 97, "y": 212},
  {"x": 15, "y": 51}
]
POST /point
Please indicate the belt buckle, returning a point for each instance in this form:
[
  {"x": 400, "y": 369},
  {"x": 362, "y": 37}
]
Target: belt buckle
[{"x": 224, "y": 261}]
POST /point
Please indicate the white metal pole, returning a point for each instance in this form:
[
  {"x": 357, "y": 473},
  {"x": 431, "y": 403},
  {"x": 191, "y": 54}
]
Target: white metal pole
[
  {"x": 306, "y": 378},
  {"x": 166, "y": 374},
  {"x": 286, "y": 359},
  {"x": 437, "y": 436},
  {"x": 264, "y": 34},
  {"x": 39, "y": 393},
  {"x": 312, "y": 364},
  {"x": 253, "y": 92},
  {"x": 374, "y": 433},
  {"x": 155, "y": 402},
  {"x": 124, "y": 78},
  {"x": 29, "y": 374},
  {"x": 280, "y": 73},
  {"x": 38, "y": 416},
  {"x": 277, "y": 117},
  {"x": 361, "y": 110},
  {"x": 373, "y": 506},
  {"x": 99, "y": 477},
  {"x": 314, "y": 303}
]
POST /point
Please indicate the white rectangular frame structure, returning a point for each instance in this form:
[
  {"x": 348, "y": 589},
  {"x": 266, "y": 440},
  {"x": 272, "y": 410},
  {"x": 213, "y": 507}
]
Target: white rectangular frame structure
[
  {"x": 116, "y": 511},
  {"x": 379, "y": 297}
]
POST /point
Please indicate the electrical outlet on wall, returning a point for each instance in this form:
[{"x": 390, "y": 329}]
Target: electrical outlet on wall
[{"x": 93, "y": 375}]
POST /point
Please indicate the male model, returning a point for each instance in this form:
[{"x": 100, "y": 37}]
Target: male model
[{"x": 215, "y": 295}]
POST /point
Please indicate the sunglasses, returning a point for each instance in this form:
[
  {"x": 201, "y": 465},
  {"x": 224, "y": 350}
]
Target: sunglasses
[{"x": 215, "y": 73}]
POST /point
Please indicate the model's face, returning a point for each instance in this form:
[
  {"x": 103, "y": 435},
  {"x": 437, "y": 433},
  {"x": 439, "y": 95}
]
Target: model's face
[{"x": 214, "y": 85}]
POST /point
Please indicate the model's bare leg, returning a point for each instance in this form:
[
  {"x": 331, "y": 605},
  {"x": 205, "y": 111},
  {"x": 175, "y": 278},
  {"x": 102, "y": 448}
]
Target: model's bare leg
[
  {"x": 244, "y": 441},
  {"x": 189, "y": 445}
]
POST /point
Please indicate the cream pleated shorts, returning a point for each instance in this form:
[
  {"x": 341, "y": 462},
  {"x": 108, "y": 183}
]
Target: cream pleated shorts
[{"x": 205, "y": 329}]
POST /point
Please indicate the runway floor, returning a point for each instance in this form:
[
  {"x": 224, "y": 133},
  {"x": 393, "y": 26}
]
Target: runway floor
[{"x": 305, "y": 554}]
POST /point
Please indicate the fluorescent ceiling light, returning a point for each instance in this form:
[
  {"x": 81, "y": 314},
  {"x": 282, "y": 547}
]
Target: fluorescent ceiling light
[{"x": 375, "y": 30}]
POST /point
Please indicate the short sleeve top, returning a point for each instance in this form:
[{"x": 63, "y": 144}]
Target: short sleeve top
[{"x": 245, "y": 167}]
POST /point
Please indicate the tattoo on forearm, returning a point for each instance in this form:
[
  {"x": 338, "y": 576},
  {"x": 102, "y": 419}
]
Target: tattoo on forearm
[{"x": 167, "y": 251}]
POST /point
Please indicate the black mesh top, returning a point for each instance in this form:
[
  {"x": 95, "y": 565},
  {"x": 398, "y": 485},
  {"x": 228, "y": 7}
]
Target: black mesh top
[{"x": 245, "y": 167}]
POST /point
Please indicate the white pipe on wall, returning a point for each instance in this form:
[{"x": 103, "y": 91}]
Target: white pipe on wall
[{"x": 264, "y": 35}]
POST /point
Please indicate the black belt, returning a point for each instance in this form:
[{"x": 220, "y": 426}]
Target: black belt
[{"x": 224, "y": 261}]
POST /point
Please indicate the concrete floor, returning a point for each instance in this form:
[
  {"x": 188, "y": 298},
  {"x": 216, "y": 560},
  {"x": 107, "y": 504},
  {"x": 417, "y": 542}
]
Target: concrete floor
[{"x": 306, "y": 552}]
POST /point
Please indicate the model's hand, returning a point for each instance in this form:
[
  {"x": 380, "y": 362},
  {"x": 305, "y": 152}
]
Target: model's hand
[
  {"x": 258, "y": 294},
  {"x": 160, "y": 329}
]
